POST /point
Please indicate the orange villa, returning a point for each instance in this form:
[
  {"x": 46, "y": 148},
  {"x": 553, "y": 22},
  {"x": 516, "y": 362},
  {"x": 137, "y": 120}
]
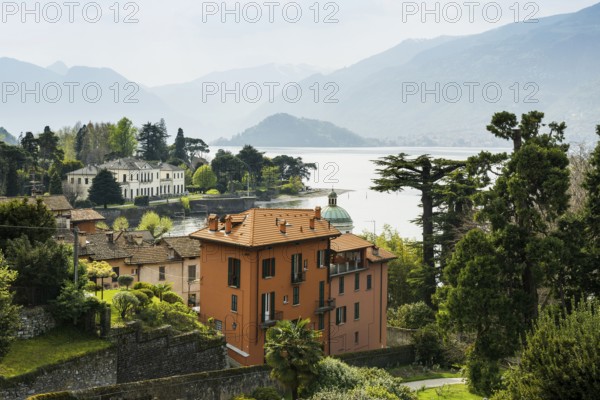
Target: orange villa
[
  {"x": 266, "y": 265},
  {"x": 262, "y": 266}
]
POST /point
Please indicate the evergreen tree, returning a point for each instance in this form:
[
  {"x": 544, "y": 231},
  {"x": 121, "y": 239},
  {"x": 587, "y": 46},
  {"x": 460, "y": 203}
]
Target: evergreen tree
[
  {"x": 55, "y": 184},
  {"x": 81, "y": 143},
  {"x": 49, "y": 149},
  {"x": 195, "y": 148},
  {"x": 105, "y": 189},
  {"x": 28, "y": 215},
  {"x": 30, "y": 144},
  {"x": 153, "y": 142},
  {"x": 180, "y": 152},
  {"x": 122, "y": 138},
  {"x": 425, "y": 175}
]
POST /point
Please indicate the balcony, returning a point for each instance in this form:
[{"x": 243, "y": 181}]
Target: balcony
[
  {"x": 324, "y": 305},
  {"x": 346, "y": 267},
  {"x": 271, "y": 320},
  {"x": 298, "y": 277}
]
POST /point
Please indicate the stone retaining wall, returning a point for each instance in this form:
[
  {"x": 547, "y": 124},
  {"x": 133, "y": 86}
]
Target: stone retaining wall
[{"x": 35, "y": 322}]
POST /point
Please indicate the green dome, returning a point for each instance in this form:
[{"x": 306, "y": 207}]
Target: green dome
[{"x": 336, "y": 215}]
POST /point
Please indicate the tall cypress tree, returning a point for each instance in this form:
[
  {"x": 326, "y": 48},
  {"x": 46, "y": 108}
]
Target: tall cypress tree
[{"x": 180, "y": 146}]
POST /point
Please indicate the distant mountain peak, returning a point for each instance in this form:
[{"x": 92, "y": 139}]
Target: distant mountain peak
[
  {"x": 59, "y": 67},
  {"x": 286, "y": 130}
]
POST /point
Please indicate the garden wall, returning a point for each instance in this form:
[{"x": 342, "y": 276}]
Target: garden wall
[
  {"x": 136, "y": 356},
  {"x": 399, "y": 337},
  {"x": 35, "y": 322},
  {"x": 381, "y": 358},
  {"x": 96, "y": 369},
  {"x": 161, "y": 353}
]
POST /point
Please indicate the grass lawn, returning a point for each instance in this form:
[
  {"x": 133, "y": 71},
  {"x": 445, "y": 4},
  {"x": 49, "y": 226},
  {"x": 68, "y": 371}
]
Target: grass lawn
[
  {"x": 58, "y": 345},
  {"x": 411, "y": 373},
  {"x": 448, "y": 392},
  {"x": 115, "y": 318}
]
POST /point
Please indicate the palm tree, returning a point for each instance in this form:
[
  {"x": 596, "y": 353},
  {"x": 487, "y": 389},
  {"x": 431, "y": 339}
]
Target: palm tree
[
  {"x": 293, "y": 350},
  {"x": 162, "y": 288}
]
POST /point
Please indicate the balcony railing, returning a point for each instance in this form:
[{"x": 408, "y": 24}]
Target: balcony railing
[
  {"x": 298, "y": 277},
  {"x": 325, "y": 305},
  {"x": 344, "y": 268},
  {"x": 270, "y": 320}
]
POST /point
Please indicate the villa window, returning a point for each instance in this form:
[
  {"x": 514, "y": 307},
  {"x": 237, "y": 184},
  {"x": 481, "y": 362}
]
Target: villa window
[
  {"x": 369, "y": 282},
  {"x": 161, "y": 274},
  {"x": 268, "y": 268},
  {"x": 357, "y": 281},
  {"x": 356, "y": 311},
  {"x": 342, "y": 285},
  {"x": 296, "y": 297},
  {"x": 233, "y": 274},
  {"x": 191, "y": 272},
  {"x": 340, "y": 315},
  {"x": 234, "y": 302}
]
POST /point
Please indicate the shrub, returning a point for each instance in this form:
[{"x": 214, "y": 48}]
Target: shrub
[
  {"x": 483, "y": 375},
  {"x": 411, "y": 316},
  {"x": 83, "y": 204},
  {"x": 288, "y": 188},
  {"x": 180, "y": 317},
  {"x": 266, "y": 393},
  {"x": 147, "y": 292},
  {"x": 142, "y": 298},
  {"x": 213, "y": 192},
  {"x": 125, "y": 280},
  {"x": 561, "y": 357},
  {"x": 70, "y": 304},
  {"x": 333, "y": 374},
  {"x": 172, "y": 297},
  {"x": 141, "y": 201},
  {"x": 91, "y": 286},
  {"x": 429, "y": 349},
  {"x": 125, "y": 303},
  {"x": 143, "y": 285},
  {"x": 185, "y": 202}
]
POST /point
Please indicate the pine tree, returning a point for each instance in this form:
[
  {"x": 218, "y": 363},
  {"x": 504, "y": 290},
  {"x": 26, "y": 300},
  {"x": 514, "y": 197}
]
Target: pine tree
[
  {"x": 105, "y": 189},
  {"x": 153, "y": 142},
  {"x": 425, "y": 175}
]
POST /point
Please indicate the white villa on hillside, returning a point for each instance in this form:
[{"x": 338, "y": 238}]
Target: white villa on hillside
[{"x": 136, "y": 177}]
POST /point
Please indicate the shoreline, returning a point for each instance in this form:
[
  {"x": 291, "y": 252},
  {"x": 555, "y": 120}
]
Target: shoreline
[{"x": 286, "y": 198}]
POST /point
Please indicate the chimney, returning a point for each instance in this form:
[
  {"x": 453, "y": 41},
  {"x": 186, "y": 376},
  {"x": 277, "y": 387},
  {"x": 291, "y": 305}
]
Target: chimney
[
  {"x": 282, "y": 226},
  {"x": 375, "y": 251},
  {"x": 110, "y": 236},
  {"x": 312, "y": 223},
  {"x": 228, "y": 224},
  {"x": 82, "y": 236},
  {"x": 139, "y": 239},
  {"x": 318, "y": 212},
  {"x": 213, "y": 223}
]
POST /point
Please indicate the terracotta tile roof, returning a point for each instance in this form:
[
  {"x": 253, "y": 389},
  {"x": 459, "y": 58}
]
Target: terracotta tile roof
[
  {"x": 124, "y": 245},
  {"x": 86, "y": 214},
  {"x": 259, "y": 227},
  {"x": 184, "y": 246},
  {"x": 349, "y": 242},
  {"x": 54, "y": 203},
  {"x": 383, "y": 256},
  {"x": 149, "y": 255}
]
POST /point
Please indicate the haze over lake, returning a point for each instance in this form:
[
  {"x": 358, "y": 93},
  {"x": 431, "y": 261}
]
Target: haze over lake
[{"x": 352, "y": 169}]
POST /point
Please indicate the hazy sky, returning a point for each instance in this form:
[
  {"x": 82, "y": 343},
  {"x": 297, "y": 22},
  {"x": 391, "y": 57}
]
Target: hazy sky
[{"x": 180, "y": 40}]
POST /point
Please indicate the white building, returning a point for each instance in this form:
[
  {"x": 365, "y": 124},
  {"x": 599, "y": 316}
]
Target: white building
[{"x": 136, "y": 177}]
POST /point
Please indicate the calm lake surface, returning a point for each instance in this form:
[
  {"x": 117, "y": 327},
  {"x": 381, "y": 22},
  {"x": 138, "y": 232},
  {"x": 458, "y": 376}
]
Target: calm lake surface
[{"x": 352, "y": 169}]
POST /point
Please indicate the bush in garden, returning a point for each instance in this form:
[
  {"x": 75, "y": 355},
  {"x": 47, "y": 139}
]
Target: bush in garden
[
  {"x": 143, "y": 285},
  {"x": 411, "y": 316},
  {"x": 172, "y": 297},
  {"x": 429, "y": 347},
  {"x": 266, "y": 393},
  {"x": 142, "y": 298},
  {"x": 125, "y": 303},
  {"x": 147, "y": 292},
  {"x": 125, "y": 280}
]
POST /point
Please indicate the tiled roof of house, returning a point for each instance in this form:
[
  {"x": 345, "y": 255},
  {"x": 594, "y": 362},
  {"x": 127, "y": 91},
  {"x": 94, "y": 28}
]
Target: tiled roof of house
[
  {"x": 86, "y": 214},
  {"x": 124, "y": 244},
  {"x": 54, "y": 203},
  {"x": 168, "y": 167},
  {"x": 149, "y": 255},
  {"x": 88, "y": 170},
  {"x": 261, "y": 227},
  {"x": 349, "y": 242},
  {"x": 126, "y": 164},
  {"x": 383, "y": 255},
  {"x": 184, "y": 246}
]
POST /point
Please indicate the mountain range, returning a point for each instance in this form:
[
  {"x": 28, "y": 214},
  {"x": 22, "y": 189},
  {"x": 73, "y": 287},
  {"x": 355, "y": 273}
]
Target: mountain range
[{"x": 441, "y": 91}]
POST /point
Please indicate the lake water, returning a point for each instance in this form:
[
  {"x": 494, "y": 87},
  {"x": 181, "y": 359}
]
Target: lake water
[{"x": 352, "y": 169}]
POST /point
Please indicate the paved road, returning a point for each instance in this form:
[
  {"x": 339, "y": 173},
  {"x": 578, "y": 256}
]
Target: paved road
[{"x": 432, "y": 383}]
